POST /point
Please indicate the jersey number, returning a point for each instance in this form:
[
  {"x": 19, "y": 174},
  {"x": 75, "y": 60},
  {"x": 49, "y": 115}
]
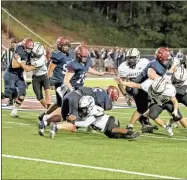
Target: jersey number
[
  {"x": 64, "y": 69},
  {"x": 97, "y": 89},
  {"x": 81, "y": 78}
]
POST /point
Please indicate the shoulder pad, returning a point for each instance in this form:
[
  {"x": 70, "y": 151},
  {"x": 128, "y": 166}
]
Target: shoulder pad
[{"x": 71, "y": 66}]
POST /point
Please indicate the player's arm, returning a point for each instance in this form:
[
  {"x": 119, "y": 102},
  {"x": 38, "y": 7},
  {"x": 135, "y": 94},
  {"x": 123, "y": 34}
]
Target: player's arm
[
  {"x": 16, "y": 60},
  {"x": 152, "y": 74},
  {"x": 122, "y": 87},
  {"x": 27, "y": 68},
  {"x": 67, "y": 78},
  {"x": 93, "y": 71},
  {"x": 128, "y": 84},
  {"x": 51, "y": 69},
  {"x": 85, "y": 123}
]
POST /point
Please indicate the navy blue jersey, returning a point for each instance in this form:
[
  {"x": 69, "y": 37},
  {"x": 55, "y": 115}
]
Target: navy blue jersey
[
  {"x": 154, "y": 64},
  {"x": 60, "y": 59},
  {"x": 80, "y": 70},
  {"x": 70, "y": 101},
  {"x": 100, "y": 96},
  {"x": 24, "y": 57}
]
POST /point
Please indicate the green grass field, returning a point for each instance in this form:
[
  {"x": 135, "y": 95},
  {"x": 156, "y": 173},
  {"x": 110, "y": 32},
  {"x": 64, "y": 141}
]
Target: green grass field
[{"x": 154, "y": 155}]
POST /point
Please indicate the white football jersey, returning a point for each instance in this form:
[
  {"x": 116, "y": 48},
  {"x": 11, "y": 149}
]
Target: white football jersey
[
  {"x": 125, "y": 71},
  {"x": 166, "y": 96},
  {"x": 40, "y": 65},
  {"x": 96, "y": 111},
  {"x": 100, "y": 122}
]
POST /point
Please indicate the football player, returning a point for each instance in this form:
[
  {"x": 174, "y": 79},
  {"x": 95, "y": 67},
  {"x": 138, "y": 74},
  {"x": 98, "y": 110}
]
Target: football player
[
  {"x": 157, "y": 67},
  {"x": 129, "y": 70},
  {"x": 93, "y": 115},
  {"x": 179, "y": 80},
  {"x": 162, "y": 95},
  {"x": 13, "y": 76},
  {"x": 40, "y": 78},
  {"x": 69, "y": 109},
  {"x": 78, "y": 68},
  {"x": 57, "y": 67},
  {"x": 75, "y": 74}
]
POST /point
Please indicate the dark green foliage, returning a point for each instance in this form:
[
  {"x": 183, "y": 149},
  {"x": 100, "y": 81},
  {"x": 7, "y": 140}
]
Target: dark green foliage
[{"x": 126, "y": 23}]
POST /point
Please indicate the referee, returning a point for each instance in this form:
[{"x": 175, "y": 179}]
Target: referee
[{"x": 5, "y": 60}]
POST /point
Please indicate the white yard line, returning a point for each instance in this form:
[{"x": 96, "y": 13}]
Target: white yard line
[
  {"x": 6, "y": 127},
  {"x": 21, "y": 124},
  {"x": 89, "y": 167},
  {"x": 158, "y": 137}
]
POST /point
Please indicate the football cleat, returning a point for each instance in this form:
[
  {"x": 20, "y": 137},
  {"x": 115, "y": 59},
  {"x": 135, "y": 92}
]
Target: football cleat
[
  {"x": 129, "y": 126},
  {"x": 172, "y": 123},
  {"x": 53, "y": 130},
  {"x": 41, "y": 128},
  {"x": 131, "y": 135},
  {"x": 40, "y": 117},
  {"x": 149, "y": 128},
  {"x": 14, "y": 113},
  {"x": 169, "y": 130}
]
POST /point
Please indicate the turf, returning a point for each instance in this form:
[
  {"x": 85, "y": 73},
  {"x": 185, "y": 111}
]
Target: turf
[{"x": 154, "y": 155}]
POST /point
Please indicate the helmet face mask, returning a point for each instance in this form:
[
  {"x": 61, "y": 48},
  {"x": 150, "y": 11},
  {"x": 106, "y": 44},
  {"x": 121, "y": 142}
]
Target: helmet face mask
[
  {"x": 81, "y": 53},
  {"x": 132, "y": 57},
  {"x": 164, "y": 56},
  {"x": 132, "y": 61},
  {"x": 38, "y": 50},
  {"x": 86, "y": 104},
  {"x": 63, "y": 44},
  {"x": 29, "y": 45}
]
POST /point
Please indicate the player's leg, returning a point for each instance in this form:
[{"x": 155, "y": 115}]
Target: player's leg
[
  {"x": 170, "y": 108},
  {"x": 9, "y": 87},
  {"x": 37, "y": 88},
  {"x": 66, "y": 126},
  {"x": 46, "y": 86},
  {"x": 141, "y": 100},
  {"x": 113, "y": 130},
  {"x": 53, "y": 106},
  {"x": 154, "y": 111},
  {"x": 21, "y": 89},
  {"x": 182, "y": 98}
]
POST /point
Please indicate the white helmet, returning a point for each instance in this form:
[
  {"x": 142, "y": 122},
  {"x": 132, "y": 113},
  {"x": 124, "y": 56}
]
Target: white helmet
[
  {"x": 132, "y": 56},
  {"x": 38, "y": 49},
  {"x": 86, "y": 104},
  {"x": 181, "y": 74},
  {"x": 158, "y": 86}
]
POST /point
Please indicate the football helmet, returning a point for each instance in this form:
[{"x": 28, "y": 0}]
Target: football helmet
[
  {"x": 38, "y": 50},
  {"x": 28, "y": 44},
  {"x": 158, "y": 86},
  {"x": 163, "y": 55},
  {"x": 132, "y": 57},
  {"x": 63, "y": 44},
  {"x": 181, "y": 74},
  {"x": 113, "y": 93},
  {"x": 81, "y": 53},
  {"x": 86, "y": 104}
]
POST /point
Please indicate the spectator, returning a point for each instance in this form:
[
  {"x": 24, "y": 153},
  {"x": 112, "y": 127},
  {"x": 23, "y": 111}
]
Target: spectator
[
  {"x": 180, "y": 55},
  {"x": 93, "y": 58},
  {"x": 109, "y": 62}
]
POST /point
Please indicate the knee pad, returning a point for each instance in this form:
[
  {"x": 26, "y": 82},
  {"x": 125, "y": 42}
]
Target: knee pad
[{"x": 153, "y": 115}]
